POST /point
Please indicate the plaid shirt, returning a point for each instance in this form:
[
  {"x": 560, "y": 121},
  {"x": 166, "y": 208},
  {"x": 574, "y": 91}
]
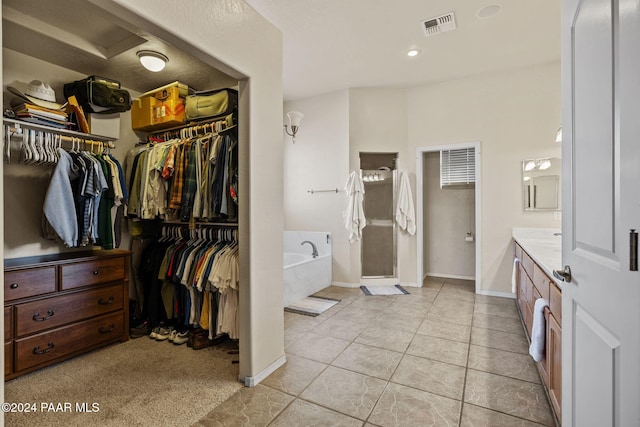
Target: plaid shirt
[
  {"x": 178, "y": 179},
  {"x": 190, "y": 182}
]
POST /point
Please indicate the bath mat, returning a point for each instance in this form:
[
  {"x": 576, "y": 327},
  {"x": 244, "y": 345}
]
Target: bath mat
[
  {"x": 384, "y": 290},
  {"x": 311, "y": 306}
]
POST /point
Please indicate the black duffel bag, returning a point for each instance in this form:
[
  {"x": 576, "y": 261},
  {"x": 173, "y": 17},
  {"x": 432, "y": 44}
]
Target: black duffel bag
[{"x": 99, "y": 95}]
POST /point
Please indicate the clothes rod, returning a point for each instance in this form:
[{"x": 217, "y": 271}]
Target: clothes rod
[
  {"x": 335, "y": 190},
  {"x": 19, "y": 124}
]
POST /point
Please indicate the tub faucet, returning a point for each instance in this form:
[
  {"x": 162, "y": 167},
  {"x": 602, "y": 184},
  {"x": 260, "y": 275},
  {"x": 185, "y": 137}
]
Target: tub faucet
[{"x": 315, "y": 249}]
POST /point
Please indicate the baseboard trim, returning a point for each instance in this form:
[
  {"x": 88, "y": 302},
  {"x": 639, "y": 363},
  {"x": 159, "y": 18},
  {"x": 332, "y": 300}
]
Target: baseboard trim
[
  {"x": 254, "y": 380},
  {"x": 450, "y": 276},
  {"x": 345, "y": 285},
  {"x": 497, "y": 294}
]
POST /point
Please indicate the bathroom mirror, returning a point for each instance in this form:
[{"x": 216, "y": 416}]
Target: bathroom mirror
[{"x": 541, "y": 184}]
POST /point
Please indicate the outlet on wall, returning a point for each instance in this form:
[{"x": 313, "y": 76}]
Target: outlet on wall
[{"x": 557, "y": 215}]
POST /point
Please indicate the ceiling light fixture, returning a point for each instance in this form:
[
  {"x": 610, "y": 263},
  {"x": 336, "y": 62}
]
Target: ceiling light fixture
[
  {"x": 152, "y": 61},
  {"x": 295, "y": 117},
  {"x": 488, "y": 11},
  {"x": 413, "y": 52}
]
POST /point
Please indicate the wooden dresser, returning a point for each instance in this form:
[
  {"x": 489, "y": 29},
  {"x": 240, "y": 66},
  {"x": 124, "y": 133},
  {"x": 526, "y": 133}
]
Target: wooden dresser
[
  {"x": 533, "y": 283},
  {"x": 59, "y": 306}
]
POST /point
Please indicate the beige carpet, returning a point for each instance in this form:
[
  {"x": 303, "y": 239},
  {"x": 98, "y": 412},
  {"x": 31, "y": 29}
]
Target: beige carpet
[{"x": 138, "y": 383}]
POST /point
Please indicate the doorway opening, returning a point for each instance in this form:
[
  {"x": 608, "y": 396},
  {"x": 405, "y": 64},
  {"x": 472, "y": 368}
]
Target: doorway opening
[{"x": 448, "y": 214}]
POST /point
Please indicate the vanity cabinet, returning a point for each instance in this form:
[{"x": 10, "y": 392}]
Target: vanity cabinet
[
  {"x": 533, "y": 283},
  {"x": 59, "y": 306}
]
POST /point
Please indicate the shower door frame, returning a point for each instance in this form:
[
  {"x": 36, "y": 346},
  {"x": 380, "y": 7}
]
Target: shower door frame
[{"x": 394, "y": 231}]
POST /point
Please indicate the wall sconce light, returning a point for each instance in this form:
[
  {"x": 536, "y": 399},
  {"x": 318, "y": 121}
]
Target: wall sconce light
[
  {"x": 152, "y": 61},
  {"x": 295, "y": 117},
  {"x": 559, "y": 135}
]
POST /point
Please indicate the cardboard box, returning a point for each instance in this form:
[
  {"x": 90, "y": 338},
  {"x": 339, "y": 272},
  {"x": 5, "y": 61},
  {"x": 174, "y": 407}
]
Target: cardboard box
[
  {"x": 104, "y": 124},
  {"x": 159, "y": 109}
]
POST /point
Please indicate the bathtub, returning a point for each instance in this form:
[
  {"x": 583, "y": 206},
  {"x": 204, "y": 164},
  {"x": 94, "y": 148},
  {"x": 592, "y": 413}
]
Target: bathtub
[{"x": 303, "y": 274}]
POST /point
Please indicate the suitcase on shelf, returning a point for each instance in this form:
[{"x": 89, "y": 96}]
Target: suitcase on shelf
[
  {"x": 211, "y": 103},
  {"x": 99, "y": 95}
]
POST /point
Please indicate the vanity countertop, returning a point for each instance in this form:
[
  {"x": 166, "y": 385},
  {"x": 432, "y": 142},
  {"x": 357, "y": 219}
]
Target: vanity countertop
[{"x": 544, "y": 246}]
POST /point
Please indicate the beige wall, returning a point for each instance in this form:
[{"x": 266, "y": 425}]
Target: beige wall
[
  {"x": 448, "y": 214},
  {"x": 235, "y": 39},
  {"x": 515, "y": 115},
  {"x": 319, "y": 160}
]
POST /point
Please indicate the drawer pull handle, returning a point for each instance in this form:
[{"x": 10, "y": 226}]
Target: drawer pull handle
[
  {"x": 104, "y": 330},
  {"x": 36, "y": 349},
  {"x": 42, "y": 319},
  {"x": 14, "y": 286},
  {"x": 102, "y": 301},
  {"x": 96, "y": 272}
]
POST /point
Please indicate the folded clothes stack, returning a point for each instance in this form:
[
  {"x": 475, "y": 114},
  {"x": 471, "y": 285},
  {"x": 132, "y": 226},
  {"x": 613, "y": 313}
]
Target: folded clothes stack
[{"x": 37, "y": 104}]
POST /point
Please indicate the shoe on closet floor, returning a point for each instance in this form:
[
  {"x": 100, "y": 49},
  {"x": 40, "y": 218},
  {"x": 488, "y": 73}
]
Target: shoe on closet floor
[
  {"x": 164, "y": 333},
  {"x": 139, "y": 331},
  {"x": 172, "y": 335},
  {"x": 194, "y": 333},
  {"x": 154, "y": 332},
  {"x": 181, "y": 338}
]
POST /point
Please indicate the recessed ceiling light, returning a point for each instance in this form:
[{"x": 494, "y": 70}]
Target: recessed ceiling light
[
  {"x": 488, "y": 11},
  {"x": 413, "y": 52}
]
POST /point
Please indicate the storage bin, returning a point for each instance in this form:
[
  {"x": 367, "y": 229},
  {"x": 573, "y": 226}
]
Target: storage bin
[{"x": 159, "y": 109}]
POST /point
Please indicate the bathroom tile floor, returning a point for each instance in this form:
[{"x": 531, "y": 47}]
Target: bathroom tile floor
[{"x": 441, "y": 356}]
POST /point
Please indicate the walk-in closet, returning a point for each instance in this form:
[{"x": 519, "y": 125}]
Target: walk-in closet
[{"x": 171, "y": 275}]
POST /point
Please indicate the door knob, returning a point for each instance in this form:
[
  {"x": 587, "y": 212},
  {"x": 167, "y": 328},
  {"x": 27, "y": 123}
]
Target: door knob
[{"x": 563, "y": 275}]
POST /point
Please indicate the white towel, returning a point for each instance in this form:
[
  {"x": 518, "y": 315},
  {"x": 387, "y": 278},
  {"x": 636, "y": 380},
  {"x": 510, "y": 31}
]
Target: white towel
[
  {"x": 405, "y": 214},
  {"x": 538, "y": 332},
  {"x": 354, "y": 220},
  {"x": 514, "y": 275}
]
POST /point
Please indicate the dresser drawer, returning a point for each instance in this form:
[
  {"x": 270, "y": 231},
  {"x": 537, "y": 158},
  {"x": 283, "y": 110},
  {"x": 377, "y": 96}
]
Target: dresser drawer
[
  {"x": 37, "y": 316},
  {"x": 8, "y": 358},
  {"x": 61, "y": 342},
  {"x": 27, "y": 283},
  {"x": 555, "y": 303},
  {"x": 541, "y": 282},
  {"x": 8, "y": 324},
  {"x": 92, "y": 272}
]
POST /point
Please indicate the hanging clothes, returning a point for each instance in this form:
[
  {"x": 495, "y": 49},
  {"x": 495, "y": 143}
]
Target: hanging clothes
[
  {"x": 355, "y": 220},
  {"x": 83, "y": 190}
]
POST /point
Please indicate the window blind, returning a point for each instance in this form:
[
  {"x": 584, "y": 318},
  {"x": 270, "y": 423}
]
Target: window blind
[{"x": 458, "y": 168}]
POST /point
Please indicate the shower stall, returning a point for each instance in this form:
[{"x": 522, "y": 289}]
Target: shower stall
[{"x": 379, "y": 237}]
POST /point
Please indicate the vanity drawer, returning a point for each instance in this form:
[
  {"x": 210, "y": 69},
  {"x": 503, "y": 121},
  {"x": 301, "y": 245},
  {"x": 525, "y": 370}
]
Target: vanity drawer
[
  {"x": 555, "y": 302},
  {"x": 527, "y": 263},
  {"x": 42, "y": 348},
  {"x": 27, "y": 283},
  {"x": 8, "y": 324},
  {"x": 92, "y": 272},
  {"x": 52, "y": 312},
  {"x": 541, "y": 282}
]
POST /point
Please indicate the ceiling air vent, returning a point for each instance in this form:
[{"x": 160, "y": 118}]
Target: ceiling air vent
[{"x": 439, "y": 24}]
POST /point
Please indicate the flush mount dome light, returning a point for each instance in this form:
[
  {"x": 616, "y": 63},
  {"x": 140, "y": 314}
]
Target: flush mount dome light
[
  {"x": 488, "y": 11},
  {"x": 413, "y": 52},
  {"x": 152, "y": 61}
]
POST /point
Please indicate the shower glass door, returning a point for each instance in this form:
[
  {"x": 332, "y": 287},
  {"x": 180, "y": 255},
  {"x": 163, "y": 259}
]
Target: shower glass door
[{"x": 379, "y": 235}]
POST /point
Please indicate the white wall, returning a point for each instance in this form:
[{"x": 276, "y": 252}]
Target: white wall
[
  {"x": 515, "y": 115},
  {"x": 319, "y": 160},
  {"x": 378, "y": 123},
  {"x": 448, "y": 214}
]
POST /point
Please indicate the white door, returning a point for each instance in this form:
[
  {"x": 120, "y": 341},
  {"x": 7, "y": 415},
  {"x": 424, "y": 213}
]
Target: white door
[{"x": 601, "y": 173}]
